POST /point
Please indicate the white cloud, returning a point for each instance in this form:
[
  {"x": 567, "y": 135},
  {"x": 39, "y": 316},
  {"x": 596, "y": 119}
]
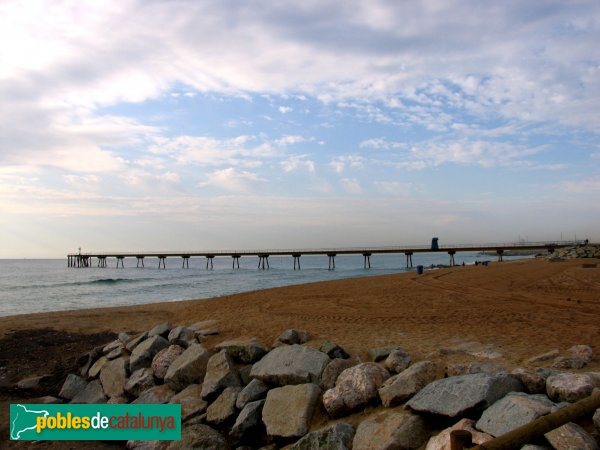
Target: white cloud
[
  {"x": 582, "y": 186},
  {"x": 285, "y": 109},
  {"x": 340, "y": 163},
  {"x": 298, "y": 162},
  {"x": 233, "y": 180},
  {"x": 351, "y": 185}
]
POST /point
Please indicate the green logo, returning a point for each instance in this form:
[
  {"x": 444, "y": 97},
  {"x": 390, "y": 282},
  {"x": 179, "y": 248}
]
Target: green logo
[{"x": 95, "y": 422}]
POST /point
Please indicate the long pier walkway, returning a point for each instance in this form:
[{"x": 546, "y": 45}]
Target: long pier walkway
[{"x": 81, "y": 260}]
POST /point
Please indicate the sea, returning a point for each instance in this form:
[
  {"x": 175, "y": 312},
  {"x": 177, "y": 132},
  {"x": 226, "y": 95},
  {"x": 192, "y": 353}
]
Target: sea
[{"x": 42, "y": 285}]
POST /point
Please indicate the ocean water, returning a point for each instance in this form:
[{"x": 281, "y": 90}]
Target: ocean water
[{"x": 30, "y": 286}]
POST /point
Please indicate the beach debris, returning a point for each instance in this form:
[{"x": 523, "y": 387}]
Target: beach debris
[
  {"x": 199, "y": 436},
  {"x": 571, "y": 436},
  {"x": 291, "y": 364},
  {"x": 533, "y": 382},
  {"x": 442, "y": 440},
  {"x": 356, "y": 386},
  {"x": 464, "y": 394},
  {"x": 163, "y": 360},
  {"x": 249, "y": 426},
  {"x": 223, "y": 409},
  {"x": 292, "y": 336},
  {"x": 72, "y": 386},
  {"x": 334, "y": 437},
  {"x": 93, "y": 393},
  {"x": 142, "y": 355},
  {"x": 188, "y": 368},
  {"x": 113, "y": 377},
  {"x": 243, "y": 351},
  {"x": 220, "y": 374},
  {"x": 139, "y": 381},
  {"x": 512, "y": 411},
  {"x": 569, "y": 387},
  {"x": 182, "y": 336},
  {"x": 288, "y": 410},
  {"x": 333, "y": 370},
  {"x": 453, "y": 370},
  {"x": 400, "y": 388},
  {"x": 333, "y": 350},
  {"x": 401, "y": 430},
  {"x": 380, "y": 353},
  {"x": 162, "y": 329},
  {"x": 397, "y": 361},
  {"x": 157, "y": 394},
  {"x": 191, "y": 401},
  {"x": 255, "y": 390}
]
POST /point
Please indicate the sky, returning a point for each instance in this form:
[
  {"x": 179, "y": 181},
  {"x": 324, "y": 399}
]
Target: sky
[{"x": 204, "y": 125}]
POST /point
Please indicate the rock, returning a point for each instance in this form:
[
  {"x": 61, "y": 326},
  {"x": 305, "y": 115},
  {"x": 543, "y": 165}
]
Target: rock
[
  {"x": 462, "y": 395},
  {"x": 543, "y": 357},
  {"x": 563, "y": 362},
  {"x": 220, "y": 373},
  {"x": 147, "y": 445},
  {"x": 333, "y": 370},
  {"x": 114, "y": 345},
  {"x": 255, "y": 390},
  {"x": 583, "y": 352},
  {"x": 442, "y": 440},
  {"x": 92, "y": 393},
  {"x": 119, "y": 400},
  {"x": 288, "y": 410},
  {"x": 163, "y": 360},
  {"x": 97, "y": 367},
  {"x": 569, "y": 387},
  {"x": 142, "y": 355},
  {"x": 124, "y": 337},
  {"x": 245, "y": 374},
  {"x": 48, "y": 400},
  {"x": 453, "y": 370},
  {"x": 162, "y": 329},
  {"x": 117, "y": 352},
  {"x": 182, "y": 336},
  {"x": 134, "y": 342},
  {"x": 223, "y": 410},
  {"x": 533, "y": 382},
  {"x": 32, "y": 382},
  {"x": 72, "y": 386},
  {"x": 191, "y": 402},
  {"x": 401, "y": 387},
  {"x": 334, "y": 351},
  {"x": 355, "y": 387},
  {"x": 188, "y": 368},
  {"x": 157, "y": 394},
  {"x": 247, "y": 352},
  {"x": 512, "y": 411},
  {"x": 546, "y": 372},
  {"x": 334, "y": 437},
  {"x": 113, "y": 377},
  {"x": 571, "y": 436},
  {"x": 397, "y": 361},
  {"x": 293, "y": 337},
  {"x": 139, "y": 381},
  {"x": 596, "y": 419},
  {"x": 248, "y": 424},
  {"x": 391, "y": 430},
  {"x": 199, "y": 437},
  {"x": 292, "y": 364},
  {"x": 202, "y": 325},
  {"x": 380, "y": 353},
  {"x": 209, "y": 332},
  {"x": 88, "y": 360}
]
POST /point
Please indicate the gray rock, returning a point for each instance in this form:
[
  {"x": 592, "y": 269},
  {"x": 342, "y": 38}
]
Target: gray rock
[
  {"x": 512, "y": 411},
  {"x": 293, "y": 337},
  {"x": 134, "y": 342},
  {"x": 391, "y": 430},
  {"x": 142, "y": 355},
  {"x": 333, "y": 370},
  {"x": 397, "y": 361},
  {"x": 462, "y": 395},
  {"x": 117, "y": 353},
  {"x": 543, "y": 357},
  {"x": 32, "y": 382},
  {"x": 97, "y": 367},
  {"x": 583, "y": 352},
  {"x": 220, "y": 373},
  {"x": 210, "y": 332},
  {"x": 380, "y": 353},
  {"x": 139, "y": 381},
  {"x": 532, "y": 381},
  {"x": 121, "y": 399},
  {"x": 571, "y": 436},
  {"x": 245, "y": 374},
  {"x": 199, "y": 437},
  {"x": 546, "y": 372},
  {"x": 182, "y": 336},
  {"x": 563, "y": 362},
  {"x": 333, "y": 350},
  {"x": 147, "y": 445},
  {"x": 255, "y": 390},
  {"x": 334, "y": 437},
  {"x": 596, "y": 419},
  {"x": 117, "y": 344},
  {"x": 72, "y": 386},
  {"x": 92, "y": 393},
  {"x": 244, "y": 351},
  {"x": 401, "y": 387},
  {"x": 124, "y": 337},
  {"x": 48, "y": 400},
  {"x": 113, "y": 377},
  {"x": 453, "y": 370},
  {"x": 292, "y": 364},
  {"x": 162, "y": 329},
  {"x": 288, "y": 410},
  {"x": 569, "y": 387},
  {"x": 203, "y": 325},
  {"x": 442, "y": 440},
  {"x": 355, "y": 387},
  {"x": 248, "y": 424},
  {"x": 223, "y": 410},
  {"x": 188, "y": 368},
  {"x": 88, "y": 361},
  {"x": 191, "y": 402},
  {"x": 163, "y": 360},
  {"x": 157, "y": 394}
]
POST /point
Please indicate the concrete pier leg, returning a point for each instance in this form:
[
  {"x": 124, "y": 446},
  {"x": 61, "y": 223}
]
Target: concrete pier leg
[
  {"x": 209, "y": 262},
  {"x": 162, "y": 262},
  {"x": 140, "y": 261},
  {"x": 235, "y": 259},
  {"x": 331, "y": 261},
  {"x": 296, "y": 260},
  {"x": 120, "y": 260},
  {"x": 409, "y": 261},
  {"x": 367, "y": 260},
  {"x": 452, "y": 253},
  {"x": 185, "y": 262}
]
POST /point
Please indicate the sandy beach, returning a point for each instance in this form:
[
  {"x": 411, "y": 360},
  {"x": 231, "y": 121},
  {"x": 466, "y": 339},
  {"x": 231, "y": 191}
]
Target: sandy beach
[{"x": 516, "y": 309}]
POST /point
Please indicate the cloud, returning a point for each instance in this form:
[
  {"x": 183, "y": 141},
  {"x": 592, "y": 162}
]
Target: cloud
[
  {"x": 298, "y": 162},
  {"x": 582, "y": 186},
  {"x": 340, "y": 163},
  {"x": 233, "y": 180},
  {"x": 285, "y": 109},
  {"x": 351, "y": 185}
]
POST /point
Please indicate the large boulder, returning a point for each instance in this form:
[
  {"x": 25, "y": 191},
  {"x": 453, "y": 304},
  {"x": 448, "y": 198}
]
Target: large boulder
[
  {"x": 220, "y": 373},
  {"x": 401, "y": 387},
  {"x": 72, "y": 386},
  {"x": 163, "y": 360},
  {"x": 397, "y": 361},
  {"x": 142, "y": 355},
  {"x": 182, "y": 336},
  {"x": 571, "y": 436},
  {"x": 391, "y": 430},
  {"x": 222, "y": 410},
  {"x": 583, "y": 352},
  {"x": 139, "y": 381},
  {"x": 248, "y": 426},
  {"x": 453, "y": 370},
  {"x": 288, "y": 410},
  {"x": 533, "y": 382},
  {"x": 255, "y": 390},
  {"x": 191, "y": 402},
  {"x": 94, "y": 371},
  {"x": 334, "y": 437},
  {"x": 355, "y": 387},
  {"x": 162, "y": 329},
  {"x": 462, "y": 395},
  {"x": 512, "y": 411},
  {"x": 188, "y": 368},
  {"x": 333, "y": 370},
  {"x": 243, "y": 351},
  {"x": 291, "y": 364},
  {"x": 157, "y": 394},
  {"x": 113, "y": 377},
  {"x": 333, "y": 350},
  {"x": 134, "y": 342},
  {"x": 199, "y": 437},
  {"x": 569, "y": 387},
  {"x": 442, "y": 440},
  {"x": 93, "y": 393},
  {"x": 292, "y": 336}
]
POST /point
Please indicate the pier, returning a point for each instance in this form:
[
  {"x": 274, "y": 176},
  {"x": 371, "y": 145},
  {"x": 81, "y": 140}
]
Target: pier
[{"x": 86, "y": 260}]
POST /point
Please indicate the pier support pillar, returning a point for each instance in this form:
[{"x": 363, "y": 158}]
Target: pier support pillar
[
  {"x": 452, "y": 253},
  {"x": 331, "y": 260},
  {"x": 102, "y": 262},
  {"x": 367, "y": 258},
  {"x": 185, "y": 262},
  {"x": 409, "y": 262},
  {"x": 209, "y": 262},
  {"x": 296, "y": 257},
  {"x": 162, "y": 262},
  {"x": 235, "y": 260},
  {"x": 140, "y": 261},
  {"x": 500, "y": 252},
  {"x": 120, "y": 260},
  {"x": 262, "y": 260}
]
